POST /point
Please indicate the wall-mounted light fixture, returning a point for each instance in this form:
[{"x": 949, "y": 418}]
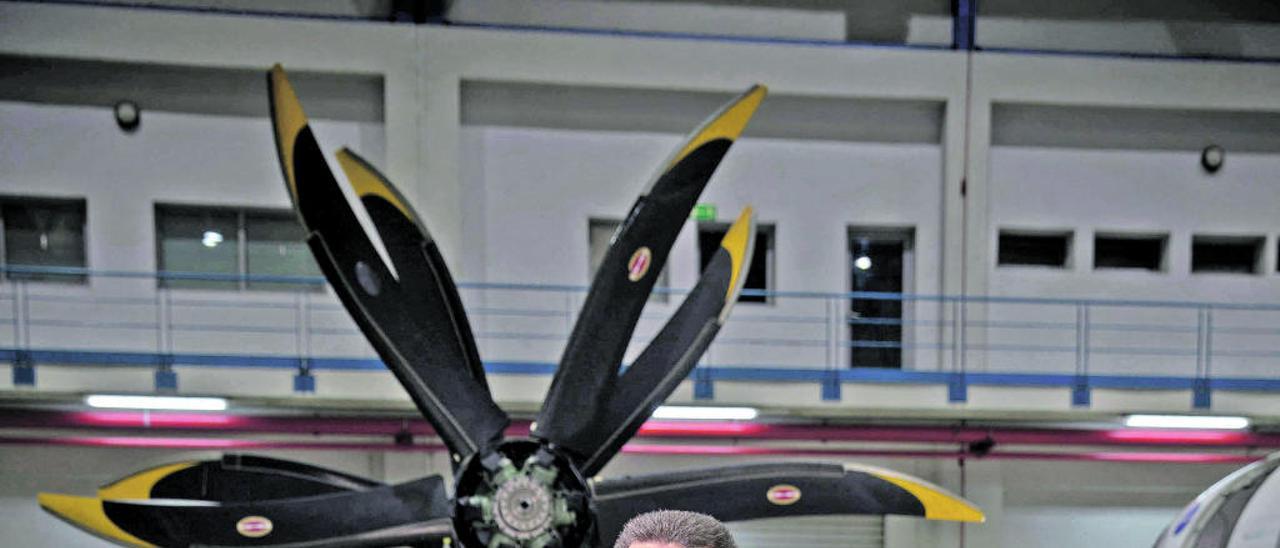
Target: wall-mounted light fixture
[
  {"x": 1207, "y": 422},
  {"x": 180, "y": 403},
  {"x": 688, "y": 412},
  {"x": 1211, "y": 158},
  {"x": 128, "y": 115}
]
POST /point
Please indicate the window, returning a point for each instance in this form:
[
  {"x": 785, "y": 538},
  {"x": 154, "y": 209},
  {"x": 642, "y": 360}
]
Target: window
[
  {"x": 1135, "y": 251},
  {"x": 233, "y": 242},
  {"x": 275, "y": 245},
  {"x": 44, "y": 232},
  {"x": 1227, "y": 254},
  {"x": 599, "y": 235},
  {"x": 881, "y": 260},
  {"x": 760, "y": 275},
  {"x": 1019, "y": 248}
]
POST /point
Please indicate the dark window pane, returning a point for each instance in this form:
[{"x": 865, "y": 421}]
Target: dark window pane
[
  {"x": 709, "y": 237},
  {"x": 275, "y": 246},
  {"x": 44, "y": 233},
  {"x": 1231, "y": 254},
  {"x": 1124, "y": 251},
  {"x": 1023, "y": 249},
  {"x": 197, "y": 241},
  {"x": 877, "y": 263}
]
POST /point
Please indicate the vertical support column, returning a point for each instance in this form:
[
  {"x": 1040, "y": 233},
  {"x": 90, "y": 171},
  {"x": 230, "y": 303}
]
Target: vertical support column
[
  {"x": 957, "y": 384},
  {"x": 703, "y": 389},
  {"x": 304, "y": 382},
  {"x": 24, "y": 367},
  {"x": 1201, "y": 393},
  {"x": 836, "y": 323},
  {"x": 430, "y": 94},
  {"x": 964, "y": 19},
  {"x": 166, "y": 379},
  {"x": 1080, "y": 393}
]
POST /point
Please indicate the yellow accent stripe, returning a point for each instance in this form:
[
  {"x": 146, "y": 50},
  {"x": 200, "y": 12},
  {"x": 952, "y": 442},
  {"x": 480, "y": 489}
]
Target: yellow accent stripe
[
  {"x": 367, "y": 181},
  {"x": 726, "y": 124},
  {"x": 938, "y": 504},
  {"x": 289, "y": 121},
  {"x": 138, "y": 486},
  {"x": 87, "y": 513},
  {"x": 738, "y": 242}
]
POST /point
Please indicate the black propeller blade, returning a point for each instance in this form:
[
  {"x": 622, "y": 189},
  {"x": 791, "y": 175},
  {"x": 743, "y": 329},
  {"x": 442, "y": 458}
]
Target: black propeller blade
[
  {"x": 408, "y": 513},
  {"x": 233, "y": 478},
  {"x": 671, "y": 355},
  {"x": 588, "y": 371},
  {"x": 412, "y": 316},
  {"x": 751, "y": 491}
]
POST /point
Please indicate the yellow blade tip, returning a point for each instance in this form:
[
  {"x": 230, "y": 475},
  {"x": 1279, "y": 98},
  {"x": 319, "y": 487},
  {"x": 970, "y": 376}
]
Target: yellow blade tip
[
  {"x": 87, "y": 513},
  {"x": 938, "y": 503},
  {"x": 738, "y": 241},
  {"x": 365, "y": 180},
  {"x": 288, "y": 120},
  {"x": 728, "y": 123}
]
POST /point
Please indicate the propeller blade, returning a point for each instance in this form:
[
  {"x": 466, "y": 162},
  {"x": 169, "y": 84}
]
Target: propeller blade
[
  {"x": 411, "y": 512},
  {"x": 233, "y": 478},
  {"x": 412, "y": 315},
  {"x": 672, "y": 354},
  {"x": 423, "y": 275},
  {"x": 752, "y": 491},
  {"x": 584, "y": 382}
]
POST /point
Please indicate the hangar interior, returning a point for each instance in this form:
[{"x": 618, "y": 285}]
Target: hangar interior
[{"x": 985, "y": 239}]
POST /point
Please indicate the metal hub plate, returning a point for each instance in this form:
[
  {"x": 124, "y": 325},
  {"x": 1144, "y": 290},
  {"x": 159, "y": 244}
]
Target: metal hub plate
[{"x": 523, "y": 508}]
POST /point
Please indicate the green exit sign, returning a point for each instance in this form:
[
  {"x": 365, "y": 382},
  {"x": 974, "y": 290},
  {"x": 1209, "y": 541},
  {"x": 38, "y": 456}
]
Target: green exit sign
[{"x": 704, "y": 212}]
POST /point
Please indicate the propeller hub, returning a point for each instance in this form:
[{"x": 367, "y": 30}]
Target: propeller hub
[
  {"x": 522, "y": 494},
  {"x": 522, "y": 507}
]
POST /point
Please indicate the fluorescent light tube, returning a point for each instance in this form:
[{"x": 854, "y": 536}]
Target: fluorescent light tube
[
  {"x": 705, "y": 413},
  {"x": 156, "y": 402},
  {"x": 1207, "y": 422}
]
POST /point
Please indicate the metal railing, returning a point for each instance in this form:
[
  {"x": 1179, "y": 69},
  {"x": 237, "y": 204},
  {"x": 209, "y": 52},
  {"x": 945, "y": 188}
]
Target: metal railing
[{"x": 135, "y": 318}]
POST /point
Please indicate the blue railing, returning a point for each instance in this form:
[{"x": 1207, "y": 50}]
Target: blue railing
[{"x": 124, "y": 318}]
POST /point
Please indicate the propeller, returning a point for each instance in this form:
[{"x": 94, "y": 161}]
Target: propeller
[
  {"x": 752, "y": 491},
  {"x": 507, "y": 492},
  {"x": 412, "y": 512},
  {"x": 671, "y": 355},
  {"x": 233, "y": 478},
  {"x": 412, "y": 315},
  {"x": 244, "y": 500},
  {"x": 586, "y": 379}
]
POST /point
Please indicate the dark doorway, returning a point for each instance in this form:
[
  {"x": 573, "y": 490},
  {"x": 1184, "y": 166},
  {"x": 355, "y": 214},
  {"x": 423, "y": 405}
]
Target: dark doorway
[{"x": 880, "y": 262}]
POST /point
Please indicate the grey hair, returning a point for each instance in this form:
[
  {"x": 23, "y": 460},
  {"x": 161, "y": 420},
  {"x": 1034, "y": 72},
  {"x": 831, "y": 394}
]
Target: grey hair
[{"x": 687, "y": 529}]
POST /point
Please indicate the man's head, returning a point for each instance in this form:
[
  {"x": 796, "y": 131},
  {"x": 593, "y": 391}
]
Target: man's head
[{"x": 674, "y": 529}]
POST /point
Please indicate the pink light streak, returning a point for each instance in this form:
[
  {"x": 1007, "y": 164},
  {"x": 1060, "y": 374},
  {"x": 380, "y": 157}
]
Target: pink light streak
[{"x": 634, "y": 448}]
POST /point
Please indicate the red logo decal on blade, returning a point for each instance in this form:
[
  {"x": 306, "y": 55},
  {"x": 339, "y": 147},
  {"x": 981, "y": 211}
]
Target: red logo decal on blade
[
  {"x": 254, "y": 526},
  {"x": 638, "y": 266},
  {"x": 783, "y": 495}
]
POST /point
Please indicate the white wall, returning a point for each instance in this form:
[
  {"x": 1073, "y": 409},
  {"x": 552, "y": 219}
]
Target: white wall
[
  {"x": 540, "y": 187},
  {"x": 1088, "y": 191},
  {"x": 811, "y": 189},
  {"x": 77, "y": 151}
]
